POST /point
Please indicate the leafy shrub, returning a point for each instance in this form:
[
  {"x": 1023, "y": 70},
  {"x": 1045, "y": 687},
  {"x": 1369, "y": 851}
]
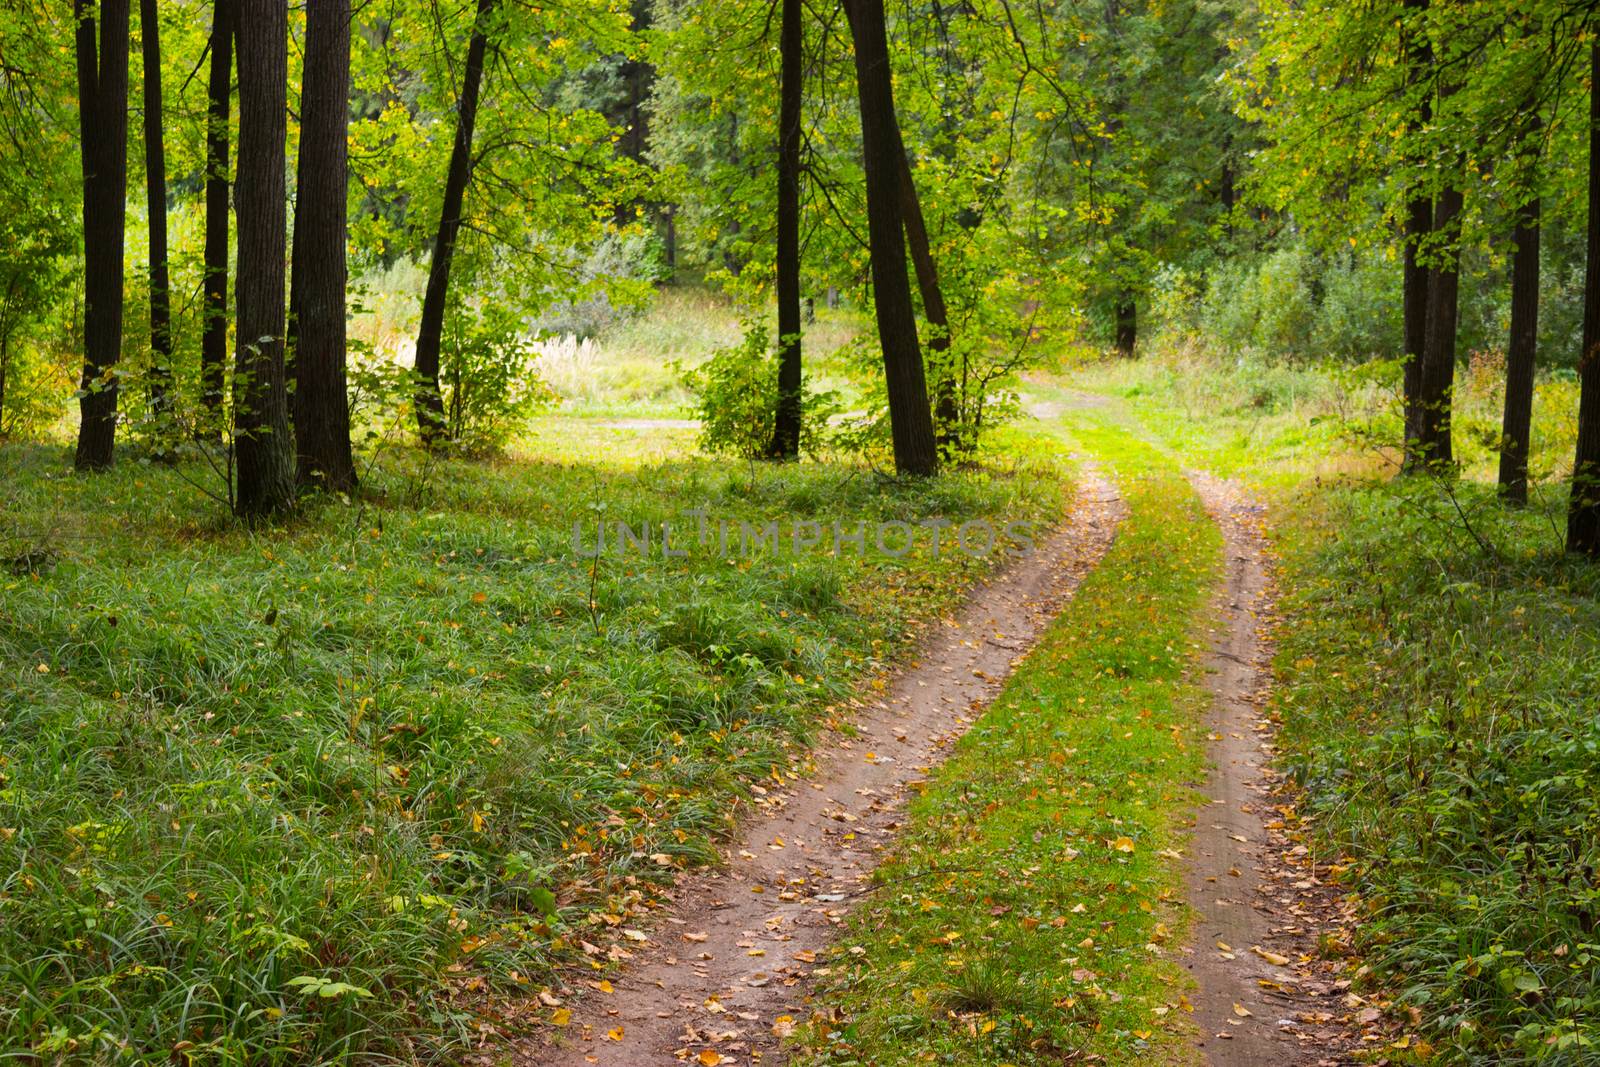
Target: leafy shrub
[
  {"x": 737, "y": 391},
  {"x": 488, "y": 378}
]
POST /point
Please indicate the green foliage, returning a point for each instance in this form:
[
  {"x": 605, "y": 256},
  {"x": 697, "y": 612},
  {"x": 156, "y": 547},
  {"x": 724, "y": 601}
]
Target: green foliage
[
  {"x": 1460, "y": 773},
  {"x": 737, "y": 400},
  {"x": 490, "y": 384}
]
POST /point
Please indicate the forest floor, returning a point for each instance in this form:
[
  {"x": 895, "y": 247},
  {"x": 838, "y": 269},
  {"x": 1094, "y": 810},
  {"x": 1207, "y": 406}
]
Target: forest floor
[
  {"x": 726, "y": 972},
  {"x": 1067, "y": 879}
]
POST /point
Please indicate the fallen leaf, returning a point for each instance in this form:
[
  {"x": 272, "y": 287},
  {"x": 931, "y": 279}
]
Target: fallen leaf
[{"x": 1242, "y": 1012}]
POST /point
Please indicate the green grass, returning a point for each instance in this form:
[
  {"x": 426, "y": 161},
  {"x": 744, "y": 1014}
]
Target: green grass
[
  {"x": 1031, "y": 911},
  {"x": 1439, "y": 676},
  {"x": 632, "y": 369},
  {"x": 1439, "y": 706},
  {"x": 363, "y": 748}
]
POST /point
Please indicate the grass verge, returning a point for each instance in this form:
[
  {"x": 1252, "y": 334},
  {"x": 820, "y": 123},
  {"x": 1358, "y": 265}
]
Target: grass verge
[
  {"x": 1028, "y": 912},
  {"x": 305, "y": 795},
  {"x": 1439, "y": 674}
]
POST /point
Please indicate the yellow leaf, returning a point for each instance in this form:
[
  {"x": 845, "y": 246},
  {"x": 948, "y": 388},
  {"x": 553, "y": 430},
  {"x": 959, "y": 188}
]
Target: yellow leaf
[
  {"x": 561, "y": 1016},
  {"x": 614, "y": 1034},
  {"x": 709, "y": 1057},
  {"x": 604, "y": 986},
  {"x": 1123, "y": 844},
  {"x": 1271, "y": 957}
]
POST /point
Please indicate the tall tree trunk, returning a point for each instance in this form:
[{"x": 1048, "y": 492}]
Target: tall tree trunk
[
  {"x": 214, "y": 331},
  {"x": 910, "y": 420},
  {"x": 1419, "y": 224},
  {"x": 428, "y": 400},
  {"x": 1439, "y": 349},
  {"x": 103, "y": 127},
  {"x": 637, "y": 76},
  {"x": 321, "y": 405},
  {"x": 155, "y": 176},
  {"x": 786, "y": 431},
  {"x": 946, "y": 410},
  {"x": 1583, "y": 512},
  {"x": 1127, "y": 325},
  {"x": 260, "y": 405},
  {"x": 1522, "y": 346}
]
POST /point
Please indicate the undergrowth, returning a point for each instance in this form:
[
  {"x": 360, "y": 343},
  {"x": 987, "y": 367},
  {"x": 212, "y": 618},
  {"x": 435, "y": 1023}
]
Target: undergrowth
[{"x": 312, "y": 794}]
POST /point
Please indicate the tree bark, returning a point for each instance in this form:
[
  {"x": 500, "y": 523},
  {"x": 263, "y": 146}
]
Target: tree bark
[
  {"x": 1583, "y": 511},
  {"x": 321, "y": 404},
  {"x": 946, "y": 410},
  {"x": 1419, "y": 224},
  {"x": 103, "y": 127},
  {"x": 428, "y": 399},
  {"x": 1437, "y": 379},
  {"x": 1522, "y": 346},
  {"x": 262, "y": 439},
  {"x": 910, "y": 420},
  {"x": 786, "y": 431},
  {"x": 214, "y": 331},
  {"x": 1127, "y": 325},
  {"x": 155, "y": 176}
]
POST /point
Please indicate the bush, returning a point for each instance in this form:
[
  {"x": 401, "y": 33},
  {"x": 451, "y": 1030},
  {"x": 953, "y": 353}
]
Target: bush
[
  {"x": 737, "y": 390},
  {"x": 488, "y": 378}
]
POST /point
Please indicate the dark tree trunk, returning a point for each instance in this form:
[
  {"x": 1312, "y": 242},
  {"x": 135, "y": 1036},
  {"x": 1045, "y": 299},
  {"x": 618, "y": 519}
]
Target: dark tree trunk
[
  {"x": 946, "y": 410},
  {"x": 1439, "y": 349},
  {"x": 1127, "y": 325},
  {"x": 910, "y": 420},
  {"x": 103, "y": 127},
  {"x": 1414, "y": 300},
  {"x": 428, "y": 400},
  {"x": 786, "y": 431},
  {"x": 1419, "y": 224},
  {"x": 262, "y": 439},
  {"x": 637, "y": 77},
  {"x": 1583, "y": 513},
  {"x": 155, "y": 176},
  {"x": 214, "y": 331},
  {"x": 1522, "y": 346},
  {"x": 321, "y": 405}
]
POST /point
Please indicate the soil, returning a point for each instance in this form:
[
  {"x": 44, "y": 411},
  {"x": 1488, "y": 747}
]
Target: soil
[
  {"x": 734, "y": 952},
  {"x": 1269, "y": 929}
]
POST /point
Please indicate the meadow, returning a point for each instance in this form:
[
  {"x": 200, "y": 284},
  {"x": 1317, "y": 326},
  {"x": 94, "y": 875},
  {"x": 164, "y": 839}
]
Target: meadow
[{"x": 317, "y": 791}]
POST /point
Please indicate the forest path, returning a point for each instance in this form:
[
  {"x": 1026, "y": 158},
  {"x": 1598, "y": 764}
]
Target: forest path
[
  {"x": 733, "y": 956},
  {"x": 1267, "y": 997}
]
